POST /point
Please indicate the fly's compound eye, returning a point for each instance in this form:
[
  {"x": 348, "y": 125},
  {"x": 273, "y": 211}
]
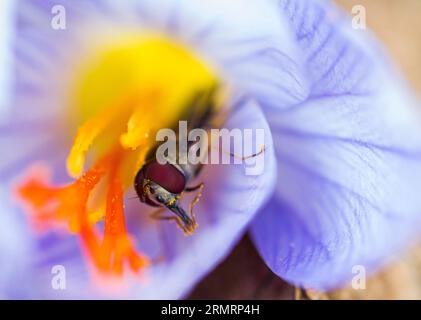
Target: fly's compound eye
[
  {"x": 158, "y": 195},
  {"x": 162, "y": 186}
]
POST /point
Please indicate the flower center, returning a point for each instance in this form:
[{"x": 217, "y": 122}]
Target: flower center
[{"x": 123, "y": 94}]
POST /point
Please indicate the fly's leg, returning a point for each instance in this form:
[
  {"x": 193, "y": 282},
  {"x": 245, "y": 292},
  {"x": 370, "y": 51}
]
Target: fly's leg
[
  {"x": 242, "y": 158},
  {"x": 196, "y": 198},
  {"x": 217, "y": 121},
  {"x": 159, "y": 215},
  {"x": 191, "y": 189}
]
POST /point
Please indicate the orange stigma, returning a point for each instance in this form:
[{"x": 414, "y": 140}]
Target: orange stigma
[{"x": 70, "y": 204}]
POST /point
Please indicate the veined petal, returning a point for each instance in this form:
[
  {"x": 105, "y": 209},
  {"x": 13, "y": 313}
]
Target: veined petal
[
  {"x": 7, "y": 20},
  {"x": 15, "y": 250},
  {"x": 248, "y": 43},
  {"x": 13, "y": 259},
  {"x": 349, "y": 158}
]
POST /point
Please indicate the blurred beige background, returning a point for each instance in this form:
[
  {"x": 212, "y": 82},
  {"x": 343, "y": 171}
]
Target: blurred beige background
[{"x": 244, "y": 276}]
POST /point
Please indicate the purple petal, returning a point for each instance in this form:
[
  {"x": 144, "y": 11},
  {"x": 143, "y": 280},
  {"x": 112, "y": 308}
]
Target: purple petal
[{"x": 349, "y": 158}]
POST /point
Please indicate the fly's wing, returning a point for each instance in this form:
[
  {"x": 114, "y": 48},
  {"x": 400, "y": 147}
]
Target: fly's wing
[
  {"x": 203, "y": 107},
  {"x": 201, "y": 111}
]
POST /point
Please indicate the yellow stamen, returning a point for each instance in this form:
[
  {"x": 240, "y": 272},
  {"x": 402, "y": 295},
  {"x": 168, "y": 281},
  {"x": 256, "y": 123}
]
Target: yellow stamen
[
  {"x": 84, "y": 138},
  {"x": 141, "y": 126}
]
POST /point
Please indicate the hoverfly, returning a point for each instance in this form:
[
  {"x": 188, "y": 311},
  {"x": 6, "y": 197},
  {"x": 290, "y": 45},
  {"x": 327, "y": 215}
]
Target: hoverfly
[{"x": 162, "y": 185}]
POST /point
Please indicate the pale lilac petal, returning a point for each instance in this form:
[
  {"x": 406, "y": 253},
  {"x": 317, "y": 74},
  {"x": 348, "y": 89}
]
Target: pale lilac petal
[
  {"x": 349, "y": 158},
  {"x": 6, "y": 34}
]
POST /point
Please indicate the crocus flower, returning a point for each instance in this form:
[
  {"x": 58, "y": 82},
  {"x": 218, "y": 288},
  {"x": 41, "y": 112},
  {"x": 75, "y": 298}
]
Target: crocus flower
[{"x": 342, "y": 144}]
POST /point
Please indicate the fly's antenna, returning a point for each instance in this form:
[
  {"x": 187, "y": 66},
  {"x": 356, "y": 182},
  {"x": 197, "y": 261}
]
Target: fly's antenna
[{"x": 262, "y": 149}]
